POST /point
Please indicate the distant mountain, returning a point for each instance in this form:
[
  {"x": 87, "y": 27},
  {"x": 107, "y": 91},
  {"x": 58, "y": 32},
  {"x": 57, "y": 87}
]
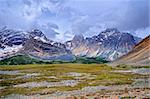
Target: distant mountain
[
  {"x": 34, "y": 44},
  {"x": 109, "y": 44},
  {"x": 140, "y": 55}
]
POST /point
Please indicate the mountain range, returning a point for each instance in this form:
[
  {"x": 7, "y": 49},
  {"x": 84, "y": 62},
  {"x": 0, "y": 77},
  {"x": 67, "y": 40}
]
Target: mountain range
[
  {"x": 34, "y": 44},
  {"x": 109, "y": 45}
]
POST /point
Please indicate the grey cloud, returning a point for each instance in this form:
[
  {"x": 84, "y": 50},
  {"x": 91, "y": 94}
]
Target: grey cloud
[
  {"x": 126, "y": 15},
  {"x": 88, "y": 17},
  {"x": 27, "y": 15},
  {"x": 46, "y": 27},
  {"x": 27, "y": 2},
  {"x": 54, "y": 26},
  {"x": 137, "y": 15}
]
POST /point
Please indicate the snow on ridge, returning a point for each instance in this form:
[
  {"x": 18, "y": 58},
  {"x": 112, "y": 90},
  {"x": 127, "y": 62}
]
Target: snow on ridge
[
  {"x": 41, "y": 39},
  {"x": 10, "y": 50}
]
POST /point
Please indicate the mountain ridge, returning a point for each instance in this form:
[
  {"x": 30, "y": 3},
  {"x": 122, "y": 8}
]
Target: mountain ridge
[
  {"x": 32, "y": 43},
  {"x": 109, "y": 44}
]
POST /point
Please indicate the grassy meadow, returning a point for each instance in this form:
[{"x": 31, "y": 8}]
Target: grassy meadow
[{"x": 85, "y": 74}]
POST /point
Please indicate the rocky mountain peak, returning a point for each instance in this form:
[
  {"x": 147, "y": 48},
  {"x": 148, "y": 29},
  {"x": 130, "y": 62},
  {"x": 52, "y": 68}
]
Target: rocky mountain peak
[
  {"x": 115, "y": 30},
  {"x": 36, "y": 32},
  {"x": 109, "y": 44},
  {"x": 110, "y": 31},
  {"x": 78, "y": 37},
  {"x": 38, "y": 35}
]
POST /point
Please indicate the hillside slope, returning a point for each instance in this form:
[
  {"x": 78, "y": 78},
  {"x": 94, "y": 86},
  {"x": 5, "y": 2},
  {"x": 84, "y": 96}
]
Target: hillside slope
[{"x": 140, "y": 55}]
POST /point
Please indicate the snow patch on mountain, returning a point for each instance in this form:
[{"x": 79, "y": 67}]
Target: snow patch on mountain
[
  {"x": 10, "y": 50},
  {"x": 41, "y": 39}
]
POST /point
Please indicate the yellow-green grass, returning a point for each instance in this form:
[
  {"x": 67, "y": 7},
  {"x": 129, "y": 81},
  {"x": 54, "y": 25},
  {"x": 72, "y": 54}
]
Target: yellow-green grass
[
  {"x": 126, "y": 67},
  {"x": 6, "y": 76},
  {"x": 102, "y": 73},
  {"x": 26, "y": 91}
]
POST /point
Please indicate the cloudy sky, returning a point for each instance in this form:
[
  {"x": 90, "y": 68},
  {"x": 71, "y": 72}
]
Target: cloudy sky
[{"x": 60, "y": 20}]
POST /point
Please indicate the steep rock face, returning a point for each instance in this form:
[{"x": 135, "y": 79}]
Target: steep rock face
[
  {"x": 34, "y": 44},
  {"x": 138, "y": 56},
  {"x": 109, "y": 44},
  {"x": 46, "y": 51},
  {"x": 11, "y": 42}
]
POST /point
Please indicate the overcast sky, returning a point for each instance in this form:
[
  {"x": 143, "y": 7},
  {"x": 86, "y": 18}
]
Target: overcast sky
[{"x": 60, "y": 20}]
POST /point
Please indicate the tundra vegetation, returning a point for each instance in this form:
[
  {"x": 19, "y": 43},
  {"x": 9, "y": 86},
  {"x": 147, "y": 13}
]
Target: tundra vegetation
[{"x": 12, "y": 76}]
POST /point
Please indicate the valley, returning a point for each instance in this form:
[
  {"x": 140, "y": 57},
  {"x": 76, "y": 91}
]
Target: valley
[
  {"x": 112, "y": 64},
  {"x": 73, "y": 80},
  {"x": 74, "y": 49},
  {"x": 42, "y": 68}
]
